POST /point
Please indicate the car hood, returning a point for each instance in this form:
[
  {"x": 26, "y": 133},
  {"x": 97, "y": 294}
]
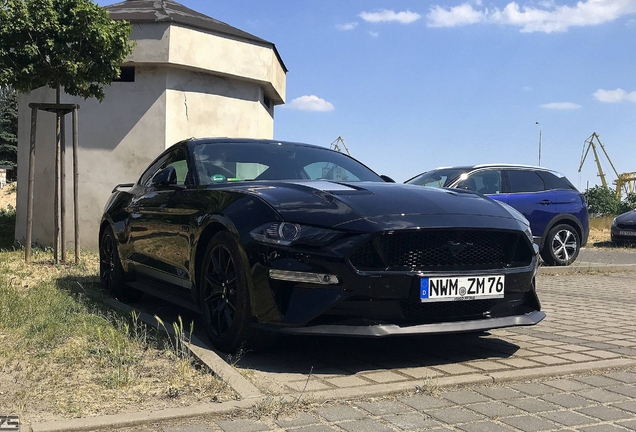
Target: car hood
[
  {"x": 373, "y": 205},
  {"x": 628, "y": 218}
]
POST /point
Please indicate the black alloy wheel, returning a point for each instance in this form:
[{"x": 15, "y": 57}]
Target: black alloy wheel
[
  {"x": 111, "y": 272},
  {"x": 224, "y": 297},
  {"x": 561, "y": 246}
]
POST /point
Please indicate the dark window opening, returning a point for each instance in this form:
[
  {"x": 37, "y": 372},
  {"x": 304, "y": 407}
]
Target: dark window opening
[
  {"x": 267, "y": 102},
  {"x": 127, "y": 74}
]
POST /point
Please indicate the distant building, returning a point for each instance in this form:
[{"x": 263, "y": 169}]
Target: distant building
[
  {"x": 189, "y": 75},
  {"x": 3, "y": 174}
]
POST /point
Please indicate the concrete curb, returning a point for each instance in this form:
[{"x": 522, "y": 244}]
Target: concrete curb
[
  {"x": 140, "y": 418},
  {"x": 582, "y": 268}
]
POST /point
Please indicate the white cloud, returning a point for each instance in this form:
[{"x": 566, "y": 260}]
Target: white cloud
[
  {"x": 385, "y": 15},
  {"x": 547, "y": 18},
  {"x": 456, "y": 16},
  {"x": 561, "y": 106},
  {"x": 347, "y": 26},
  {"x": 310, "y": 103},
  {"x": 374, "y": 34},
  {"x": 614, "y": 96}
]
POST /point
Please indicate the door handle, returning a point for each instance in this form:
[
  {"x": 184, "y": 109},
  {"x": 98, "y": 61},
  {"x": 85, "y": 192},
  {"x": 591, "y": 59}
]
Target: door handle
[{"x": 545, "y": 202}]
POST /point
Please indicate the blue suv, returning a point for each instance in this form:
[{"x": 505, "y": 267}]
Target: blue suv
[{"x": 557, "y": 211}]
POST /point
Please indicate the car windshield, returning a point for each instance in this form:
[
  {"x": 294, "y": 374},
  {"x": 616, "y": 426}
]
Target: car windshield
[
  {"x": 441, "y": 177},
  {"x": 221, "y": 162}
]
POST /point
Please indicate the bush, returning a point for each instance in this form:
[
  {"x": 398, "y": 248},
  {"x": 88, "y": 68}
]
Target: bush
[
  {"x": 602, "y": 201},
  {"x": 7, "y": 227}
]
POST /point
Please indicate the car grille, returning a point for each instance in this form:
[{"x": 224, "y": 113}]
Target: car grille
[
  {"x": 443, "y": 249},
  {"x": 446, "y": 310},
  {"x": 627, "y": 225}
]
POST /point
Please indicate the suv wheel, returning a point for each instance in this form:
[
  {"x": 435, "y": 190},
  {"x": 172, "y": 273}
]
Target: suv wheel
[{"x": 561, "y": 246}]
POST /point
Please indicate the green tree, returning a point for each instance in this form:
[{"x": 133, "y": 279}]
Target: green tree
[
  {"x": 628, "y": 203},
  {"x": 69, "y": 43},
  {"x": 9, "y": 130},
  {"x": 601, "y": 201}
]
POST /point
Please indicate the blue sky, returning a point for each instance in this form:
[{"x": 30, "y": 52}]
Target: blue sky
[{"x": 412, "y": 85}]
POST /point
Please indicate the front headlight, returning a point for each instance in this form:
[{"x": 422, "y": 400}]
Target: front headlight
[
  {"x": 287, "y": 233},
  {"x": 614, "y": 222}
]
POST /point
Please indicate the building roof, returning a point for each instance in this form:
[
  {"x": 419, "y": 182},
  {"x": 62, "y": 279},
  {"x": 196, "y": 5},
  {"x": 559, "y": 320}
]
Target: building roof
[{"x": 171, "y": 11}]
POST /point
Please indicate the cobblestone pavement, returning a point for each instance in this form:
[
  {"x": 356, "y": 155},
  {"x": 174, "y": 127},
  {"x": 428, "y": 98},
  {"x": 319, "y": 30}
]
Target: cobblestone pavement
[
  {"x": 543, "y": 375},
  {"x": 590, "y": 403}
]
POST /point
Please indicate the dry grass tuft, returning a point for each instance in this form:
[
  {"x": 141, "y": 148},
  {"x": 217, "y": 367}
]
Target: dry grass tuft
[{"x": 66, "y": 355}]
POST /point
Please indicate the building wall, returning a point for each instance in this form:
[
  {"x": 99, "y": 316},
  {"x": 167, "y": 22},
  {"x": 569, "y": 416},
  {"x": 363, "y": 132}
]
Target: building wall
[
  {"x": 117, "y": 139},
  {"x": 188, "y": 84}
]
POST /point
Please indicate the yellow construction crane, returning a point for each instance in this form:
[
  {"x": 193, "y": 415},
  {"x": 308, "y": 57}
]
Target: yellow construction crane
[
  {"x": 336, "y": 145},
  {"x": 625, "y": 181}
]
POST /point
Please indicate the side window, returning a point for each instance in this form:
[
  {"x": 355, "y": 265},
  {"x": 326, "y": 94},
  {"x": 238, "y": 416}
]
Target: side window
[
  {"x": 485, "y": 182},
  {"x": 176, "y": 159},
  {"x": 525, "y": 181},
  {"x": 552, "y": 181}
]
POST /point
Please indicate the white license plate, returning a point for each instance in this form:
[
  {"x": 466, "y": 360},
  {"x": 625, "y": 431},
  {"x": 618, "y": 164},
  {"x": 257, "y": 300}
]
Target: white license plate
[
  {"x": 627, "y": 233},
  {"x": 461, "y": 288}
]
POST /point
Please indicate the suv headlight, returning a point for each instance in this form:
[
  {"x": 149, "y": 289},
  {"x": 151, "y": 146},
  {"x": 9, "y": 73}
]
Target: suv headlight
[{"x": 287, "y": 233}]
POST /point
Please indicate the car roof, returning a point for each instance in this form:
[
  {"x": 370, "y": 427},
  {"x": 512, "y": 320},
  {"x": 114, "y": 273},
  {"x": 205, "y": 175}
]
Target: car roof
[
  {"x": 494, "y": 165},
  {"x": 191, "y": 142}
]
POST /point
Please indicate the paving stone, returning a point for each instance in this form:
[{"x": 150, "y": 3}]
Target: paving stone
[
  {"x": 366, "y": 425},
  {"x": 412, "y": 421},
  {"x": 421, "y": 372},
  {"x": 533, "y": 405},
  {"x": 606, "y": 413},
  {"x": 347, "y": 381},
  {"x": 190, "y": 428},
  {"x": 529, "y": 423},
  {"x": 242, "y": 426},
  {"x": 456, "y": 369},
  {"x": 567, "y": 418},
  {"x": 627, "y": 406},
  {"x": 425, "y": 402},
  {"x": 484, "y": 426},
  {"x": 487, "y": 365},
  {"x": 381, "y": 408},
  {"x": 313, "y": 428},
  {"x": 520, "y": 363},
  {"x": 500, "y": 393},
  {"x": 495, "y": 409},
  {"x": 567, "y": 385},
  {"x": 340, "y": 413},
  {"x": 464, "y": 397},
  {"x": 602, "y": 354},
  {"x": 454, "y": 415},
  {"x": 549, "y": 360},
  {"x": 597, "y": 381},
  {"x": 601, "y": 395},
  {"x": 601, "y": 428},
  {"x": 301, "y": 419},
  {"x": 566, "y": 400},
  {"x": 312, "y": 385},
  {"x": 631, "y": 424},
  {"x": 533, "y": 389},
  {"x": 626, "y": 377},
  {"x": 626, "y": 390},
  {"x": 384, "y": 377}
]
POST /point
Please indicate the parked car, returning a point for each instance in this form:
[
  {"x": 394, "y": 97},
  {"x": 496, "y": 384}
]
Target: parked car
[
  {"x": 266, "y": 236},
  {"x": 623, "y": 228},
  {"x": 557, "y": 211}
]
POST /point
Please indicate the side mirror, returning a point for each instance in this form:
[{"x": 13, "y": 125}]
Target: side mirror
[
  {"x": 165, "y": 177},
  {"x": 387, "y": 179}
]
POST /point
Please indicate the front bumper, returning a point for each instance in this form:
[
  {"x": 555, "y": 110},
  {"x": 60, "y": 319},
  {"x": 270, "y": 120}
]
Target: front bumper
[{"x": 381, "y": 330}]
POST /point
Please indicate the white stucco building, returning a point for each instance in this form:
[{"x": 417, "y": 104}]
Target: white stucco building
[{"x": 189, "y": 76}]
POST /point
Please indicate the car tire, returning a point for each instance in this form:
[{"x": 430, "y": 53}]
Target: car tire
[
  {"x": 224, "y": 298},
  {"x": 561, "y": 246},
  {"x": 111, "y": 272}
]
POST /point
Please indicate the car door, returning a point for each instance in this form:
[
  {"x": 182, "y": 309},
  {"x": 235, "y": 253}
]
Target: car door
[
  {"x": 159, "y": 224},
  {"x": 528, "y": 194}
]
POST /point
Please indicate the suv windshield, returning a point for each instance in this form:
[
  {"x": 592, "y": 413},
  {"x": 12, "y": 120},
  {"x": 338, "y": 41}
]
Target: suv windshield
[
  {"x": 220, "y": 162},
  {"x": 437, "y": 178}
]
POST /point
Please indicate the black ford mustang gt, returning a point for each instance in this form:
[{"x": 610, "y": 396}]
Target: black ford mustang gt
[{"x": 265, "y": 236}]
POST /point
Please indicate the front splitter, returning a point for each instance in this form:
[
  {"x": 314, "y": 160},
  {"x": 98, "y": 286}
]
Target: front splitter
[{"x": 381, "y": 330}]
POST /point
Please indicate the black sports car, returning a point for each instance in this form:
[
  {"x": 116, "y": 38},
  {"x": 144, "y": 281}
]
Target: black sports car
[
  {"x": 265, "y": 236},
  {"x": 623, "y": 229}
]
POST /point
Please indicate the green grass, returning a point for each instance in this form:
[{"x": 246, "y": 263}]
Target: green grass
[
  {"x": 74, "y": 355},
  {"x": 601, "y": 223}
]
